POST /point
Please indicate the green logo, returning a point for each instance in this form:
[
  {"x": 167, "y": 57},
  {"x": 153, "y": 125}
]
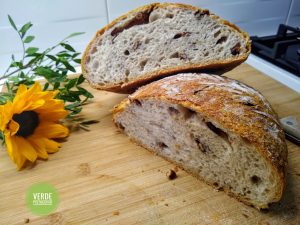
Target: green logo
[{"x": 42, "y": 199}]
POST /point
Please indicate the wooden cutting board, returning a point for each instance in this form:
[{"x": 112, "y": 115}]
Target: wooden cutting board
[{"x": 103, "y": 178}]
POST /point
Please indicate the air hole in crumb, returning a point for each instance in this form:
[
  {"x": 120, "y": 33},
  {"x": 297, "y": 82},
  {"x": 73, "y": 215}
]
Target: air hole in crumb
[
  {"x": 174, "y": 55},
  {"x": 143, "y": 64},
  {"x": 147, "y": 41},
  {"x": 126, "y": 52},
  {"x": 173, "y": 111},
  {"x": 127, "y": 72},
  {"x": 235, "y": 50},
  {"x": 222, "y": 40},
  {"x": 248, "y": 192},
  {"x": 189, "y": 113},
  {"x": 169, "y": 15},
  {"x": 217, "y": 130},
  {"x": 248, "y": 103},
  {"x": 201, "y": 13},
  {"x": 255, "y": 179},
  {"x": 182, "y": 34},
  {"x": 137, "y": 102},
  {"x": 217, "y": 33},
  {"x": 203, "y": 148},
  {"x": 161, "y": 145},
  {"x": 206, "y": 53}
]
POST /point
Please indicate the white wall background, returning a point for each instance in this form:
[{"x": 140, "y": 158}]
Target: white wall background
[{"x": 55, "y": 19}]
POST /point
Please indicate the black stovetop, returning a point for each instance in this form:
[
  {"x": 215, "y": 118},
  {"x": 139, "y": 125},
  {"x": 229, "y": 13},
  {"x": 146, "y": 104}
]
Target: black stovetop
[{"x": 282, "y": 49}]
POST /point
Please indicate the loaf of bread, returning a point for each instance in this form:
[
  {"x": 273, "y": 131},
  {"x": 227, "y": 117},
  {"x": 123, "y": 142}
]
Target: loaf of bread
[
  {"x": 218, "y": 129},
  {"x": 158, "y": 40}
]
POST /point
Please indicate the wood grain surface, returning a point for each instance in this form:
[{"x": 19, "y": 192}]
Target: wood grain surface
[{"x": 103, "y": 178}]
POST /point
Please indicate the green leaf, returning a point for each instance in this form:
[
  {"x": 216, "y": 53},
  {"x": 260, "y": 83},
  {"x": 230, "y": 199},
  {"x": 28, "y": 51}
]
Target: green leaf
[
  {"x": 85, "y": 92},
  {"x": 25, "y": 28},
  {"x": 68, "y": 66},
  {"x": 1, "y": 135},
  {"x": 31, "y": 50},
  {"x": 28, "y": 39},
  {"x": 80, "y": 80},
  {"x": 77, "y": 61},
  {"x": 68, "y": 47},
  {"x": 45, "y": 72},
  {"x": 75, "y": 55},
  {"x": 72, "y": 106},
  {"x": 46, "y": 86},
  {"x": 12, "y": 23},
  {"x": 74, "y": 34},
  {"x": 71, "y": 83},
  {"x": 52, "y": 57},
  {"x": 56, "y": 85},
  {"x": 17, "y": 64}
]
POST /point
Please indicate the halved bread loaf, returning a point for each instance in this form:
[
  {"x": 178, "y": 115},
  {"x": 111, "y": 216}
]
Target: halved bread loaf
[
  {"x": 218, "y": 129},
  {"x": 158, "y": 40}
]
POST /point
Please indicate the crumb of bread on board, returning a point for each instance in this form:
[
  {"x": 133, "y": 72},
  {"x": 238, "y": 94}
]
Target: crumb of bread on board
[{"x": 171, "y": 174}]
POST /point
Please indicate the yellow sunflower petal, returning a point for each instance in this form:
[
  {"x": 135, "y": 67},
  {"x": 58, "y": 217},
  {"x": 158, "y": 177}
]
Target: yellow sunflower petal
[
  {"x": 52, "y": 130},
  {"x": 26, "y": 148},
  {"x": 53, "y": 116},
  {"x": 33, "y": 105},
  {"x": 51, "y": 146},
  {"x": 21, "y": 89},
  {"x": 13, "y": 127},
  {"x": 35, "y": 88},
  {"x": 6, "y": 115},
  {"x": 39, "y": 146},
  {"x": 13, "y": 151}
]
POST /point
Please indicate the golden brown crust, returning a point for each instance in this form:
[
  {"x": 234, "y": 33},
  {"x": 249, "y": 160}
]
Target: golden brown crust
[
  {"x": 129, "y": 87},
  {"x": 234, "y": 106}
]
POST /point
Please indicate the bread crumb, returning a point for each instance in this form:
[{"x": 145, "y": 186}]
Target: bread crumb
[
  {"x": 116, "y": 213},
  {"x": 171, "y": 174},
  {"x": 26, "y": 220}
]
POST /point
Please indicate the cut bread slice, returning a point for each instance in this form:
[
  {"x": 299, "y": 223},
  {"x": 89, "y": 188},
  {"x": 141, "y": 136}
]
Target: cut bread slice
[
  {"x": 216, "y": 128},
  {"x": 158, "y": 40}
]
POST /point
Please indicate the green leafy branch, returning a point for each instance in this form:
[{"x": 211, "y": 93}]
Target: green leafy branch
[{"x": 52, "y": 64}]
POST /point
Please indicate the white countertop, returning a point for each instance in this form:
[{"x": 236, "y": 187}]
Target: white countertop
[{"x": 283, "y": 76}]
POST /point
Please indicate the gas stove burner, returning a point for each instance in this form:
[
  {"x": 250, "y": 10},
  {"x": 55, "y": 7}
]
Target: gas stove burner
[{"x": 282, "y": 49}]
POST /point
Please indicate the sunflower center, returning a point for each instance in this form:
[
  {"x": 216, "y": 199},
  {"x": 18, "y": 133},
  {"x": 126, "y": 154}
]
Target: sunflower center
[{"x": 28, "y": 121}]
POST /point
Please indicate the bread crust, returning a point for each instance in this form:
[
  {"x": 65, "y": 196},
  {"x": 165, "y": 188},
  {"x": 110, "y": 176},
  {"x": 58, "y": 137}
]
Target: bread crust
[
  {"x": 257, "y": 122},
  {"x": 129, "y": 87}
]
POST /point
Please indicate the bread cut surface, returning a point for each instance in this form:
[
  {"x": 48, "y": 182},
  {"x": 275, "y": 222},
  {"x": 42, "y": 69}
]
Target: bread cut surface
[
  {"x": 158, "y": 40},
  {"x": 216, "y": 128}
]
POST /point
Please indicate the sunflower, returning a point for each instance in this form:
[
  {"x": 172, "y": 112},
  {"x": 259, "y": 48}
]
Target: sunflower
[{"x": 31, "y": 122}]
